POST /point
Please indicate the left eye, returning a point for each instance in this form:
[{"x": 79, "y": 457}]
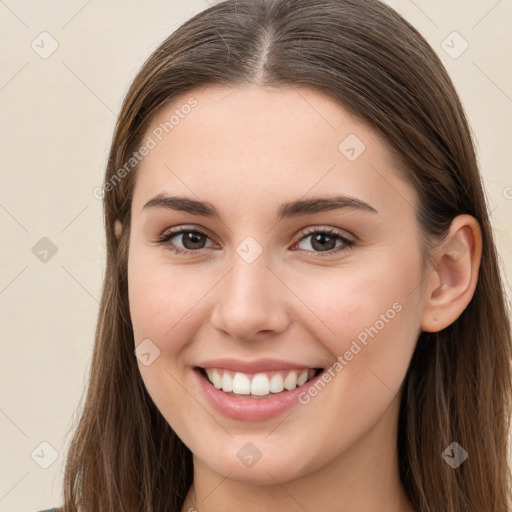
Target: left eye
[{"x": 323, "y": 241}]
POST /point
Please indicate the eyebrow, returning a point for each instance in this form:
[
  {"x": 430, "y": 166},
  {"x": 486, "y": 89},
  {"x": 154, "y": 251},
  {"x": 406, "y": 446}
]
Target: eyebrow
[{"x": 286, "y": 210}]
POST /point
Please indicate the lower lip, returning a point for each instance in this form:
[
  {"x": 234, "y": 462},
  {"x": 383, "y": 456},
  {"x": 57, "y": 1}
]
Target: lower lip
[{"x": 252, "y": 409}]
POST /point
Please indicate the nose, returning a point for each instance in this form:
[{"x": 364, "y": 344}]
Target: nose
[{"x": 251, "y": 300}]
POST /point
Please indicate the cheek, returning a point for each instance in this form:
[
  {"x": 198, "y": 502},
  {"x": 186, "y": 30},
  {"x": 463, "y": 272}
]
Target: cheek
[
  {"x": 366, "y": 312},
  {"x": 164, "y": 302},
  {"x": 369, "y": 321},
  {"x": 164, "y": 298}
]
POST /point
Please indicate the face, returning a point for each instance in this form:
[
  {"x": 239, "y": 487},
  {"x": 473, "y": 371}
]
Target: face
[{"x": 228, "y": 279}]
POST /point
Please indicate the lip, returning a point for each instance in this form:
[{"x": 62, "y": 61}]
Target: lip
[
  {"x": 251, "y": 409},
  {"x": 255, "y": 366}
]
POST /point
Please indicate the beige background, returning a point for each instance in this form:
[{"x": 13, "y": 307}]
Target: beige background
[{"x": 57, "y": 117}]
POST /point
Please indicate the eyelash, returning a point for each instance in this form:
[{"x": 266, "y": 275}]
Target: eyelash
[{"x": 347, "y": 242}]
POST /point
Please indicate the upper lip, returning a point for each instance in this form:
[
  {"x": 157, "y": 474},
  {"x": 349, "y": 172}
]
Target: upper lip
[{"x": 255, "y": 366}]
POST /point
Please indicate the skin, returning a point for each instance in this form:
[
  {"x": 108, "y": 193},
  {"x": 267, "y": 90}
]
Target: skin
[{"x": 246, "y": 151}]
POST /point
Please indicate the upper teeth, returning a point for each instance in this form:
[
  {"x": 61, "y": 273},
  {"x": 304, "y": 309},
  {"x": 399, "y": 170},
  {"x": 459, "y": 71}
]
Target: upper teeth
[{"x": 259, "y": 384}]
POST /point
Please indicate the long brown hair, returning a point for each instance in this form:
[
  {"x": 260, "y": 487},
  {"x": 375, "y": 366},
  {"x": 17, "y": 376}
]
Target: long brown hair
[{"x": 124, "y": 456}]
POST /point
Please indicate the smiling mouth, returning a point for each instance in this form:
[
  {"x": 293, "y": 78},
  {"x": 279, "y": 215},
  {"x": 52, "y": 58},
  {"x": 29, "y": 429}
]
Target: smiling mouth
[{"x": 258, "y": 385}]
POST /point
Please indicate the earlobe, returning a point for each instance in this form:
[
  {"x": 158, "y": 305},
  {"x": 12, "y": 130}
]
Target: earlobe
[
  {"x": 118, "y": 227},
  {"x": 452, "y": 283}
]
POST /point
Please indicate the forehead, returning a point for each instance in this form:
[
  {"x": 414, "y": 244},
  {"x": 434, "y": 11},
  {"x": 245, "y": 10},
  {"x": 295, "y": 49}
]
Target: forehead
[{"x": 258, "y": 143}]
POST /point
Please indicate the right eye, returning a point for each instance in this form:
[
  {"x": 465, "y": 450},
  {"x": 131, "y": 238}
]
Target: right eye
[{"x": 192, "y": 240}]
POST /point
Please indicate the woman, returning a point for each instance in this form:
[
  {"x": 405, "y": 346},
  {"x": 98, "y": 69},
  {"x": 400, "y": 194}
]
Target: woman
[{"x": 302, "y": 308}]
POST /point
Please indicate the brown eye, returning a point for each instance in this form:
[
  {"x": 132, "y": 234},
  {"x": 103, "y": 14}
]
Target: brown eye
[
  {"x": 325, "y": 241},
  {"x": 191, "y": 240}
]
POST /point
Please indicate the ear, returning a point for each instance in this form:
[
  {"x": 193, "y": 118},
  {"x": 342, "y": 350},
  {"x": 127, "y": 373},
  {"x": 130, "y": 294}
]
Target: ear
[
  {"x": 452, "y": 283},
  {"x": 118, "y": 227}
]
